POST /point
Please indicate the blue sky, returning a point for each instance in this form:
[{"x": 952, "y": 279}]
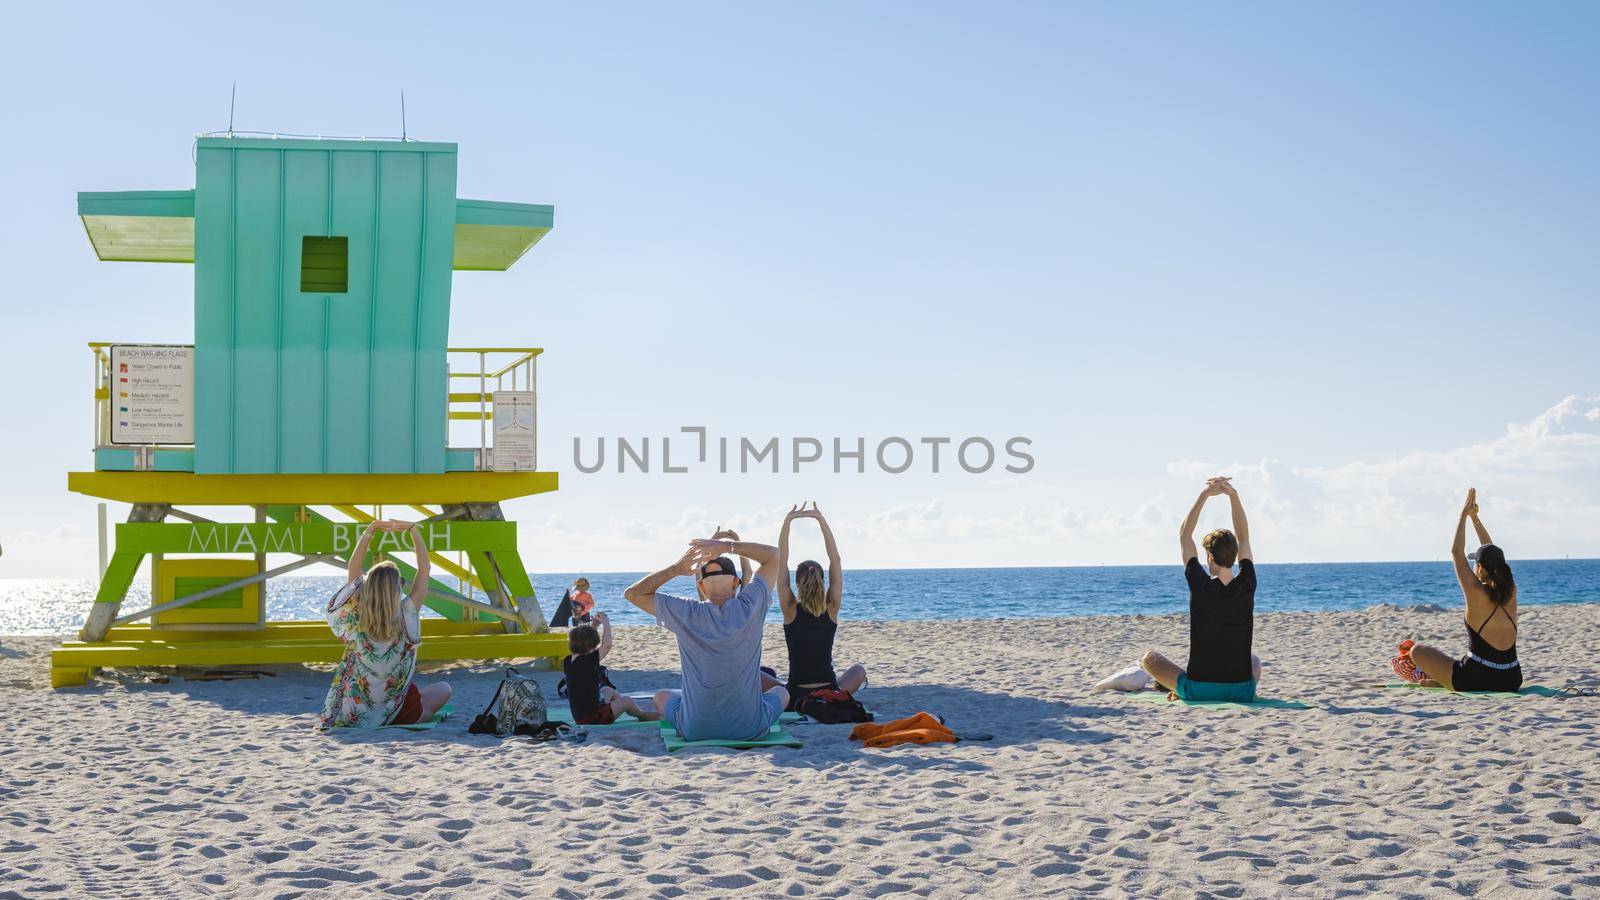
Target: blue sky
[{"x": 1335, "y": 250}]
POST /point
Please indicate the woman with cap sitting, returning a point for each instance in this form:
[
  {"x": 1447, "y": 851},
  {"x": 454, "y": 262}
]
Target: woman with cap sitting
[{"x": 1491, "y": 660}]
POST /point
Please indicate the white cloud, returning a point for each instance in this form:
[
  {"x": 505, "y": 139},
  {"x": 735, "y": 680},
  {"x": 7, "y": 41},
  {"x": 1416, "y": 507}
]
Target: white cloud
[{"x": 1538, "y": 483}]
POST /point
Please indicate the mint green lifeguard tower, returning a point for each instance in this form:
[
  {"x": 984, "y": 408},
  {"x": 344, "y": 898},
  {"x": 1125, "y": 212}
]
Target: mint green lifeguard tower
[{"x": 319, "y": 376}]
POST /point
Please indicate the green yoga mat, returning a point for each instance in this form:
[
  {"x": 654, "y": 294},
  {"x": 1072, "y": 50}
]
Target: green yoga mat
[
  {"x": 1258, "y": 703},
  {"x": 1531, "y": 690},
  {"x": 776, "y": 737},
  {"x": 443, "y": 713}
]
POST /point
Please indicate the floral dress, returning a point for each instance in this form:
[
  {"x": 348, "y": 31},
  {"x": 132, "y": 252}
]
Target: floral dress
[{"x": 371, "y": 681}]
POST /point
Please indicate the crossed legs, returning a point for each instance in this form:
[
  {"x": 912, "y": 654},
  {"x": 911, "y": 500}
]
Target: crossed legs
[
  {"x": 666, "y": 695},
  {"x": 1166, "y": 672},
  {"x": 434, "y": 697},
  {"x": 851, "y": 681},
  {"x": 1435, "y": 664}
]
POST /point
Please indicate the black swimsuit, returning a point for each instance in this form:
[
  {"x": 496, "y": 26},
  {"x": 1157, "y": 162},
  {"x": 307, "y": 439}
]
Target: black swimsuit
[
  {"x": 810, "y": 641},
  {"x": 1486, "y": 668}
]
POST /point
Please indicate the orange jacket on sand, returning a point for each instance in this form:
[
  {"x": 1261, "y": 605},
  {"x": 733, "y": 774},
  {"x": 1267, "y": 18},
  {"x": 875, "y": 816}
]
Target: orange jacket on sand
[{"x": 921, "y": 728}]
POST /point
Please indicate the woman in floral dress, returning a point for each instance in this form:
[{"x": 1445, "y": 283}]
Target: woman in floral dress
[{"x": 381, "y": 631}]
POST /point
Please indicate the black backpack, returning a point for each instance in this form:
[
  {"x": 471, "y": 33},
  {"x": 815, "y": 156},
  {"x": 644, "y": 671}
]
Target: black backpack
[{"x": 831, "y": 707}]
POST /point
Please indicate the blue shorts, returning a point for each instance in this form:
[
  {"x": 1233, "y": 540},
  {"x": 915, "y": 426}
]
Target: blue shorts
[
  {"x": 770, "y": 708},
  {"x": 1229, "y": 691}
]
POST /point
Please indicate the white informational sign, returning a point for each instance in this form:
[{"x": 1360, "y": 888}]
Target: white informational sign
[
  {"x": 513, "y": 431},
  {"x": 152, "y": 394}
]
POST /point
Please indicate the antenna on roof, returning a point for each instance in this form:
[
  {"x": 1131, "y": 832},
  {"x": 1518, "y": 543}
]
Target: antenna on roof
[
  {"x": 402, "y": 115},
  {"x": 232, "y": 95}
]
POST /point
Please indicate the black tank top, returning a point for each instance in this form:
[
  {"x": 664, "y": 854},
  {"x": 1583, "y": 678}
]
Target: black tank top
[
  {"x": 1487, "y": 651},
  {"x": 810, "y": 641}
]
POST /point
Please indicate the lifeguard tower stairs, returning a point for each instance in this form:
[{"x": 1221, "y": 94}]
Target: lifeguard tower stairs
[{"x": 317, "y": 394}]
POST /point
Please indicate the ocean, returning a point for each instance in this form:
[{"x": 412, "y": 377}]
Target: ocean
[{"x": 58, "y": 606}]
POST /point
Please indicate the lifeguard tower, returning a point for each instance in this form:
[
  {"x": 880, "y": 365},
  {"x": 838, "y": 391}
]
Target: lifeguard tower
[{"x": 318, "y": 391}]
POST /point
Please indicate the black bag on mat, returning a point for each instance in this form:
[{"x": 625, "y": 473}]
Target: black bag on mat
[{"x": 831, "y": 707}]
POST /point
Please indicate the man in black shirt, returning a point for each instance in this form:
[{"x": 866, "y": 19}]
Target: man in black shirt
[{"x": 1221, "y": 611}]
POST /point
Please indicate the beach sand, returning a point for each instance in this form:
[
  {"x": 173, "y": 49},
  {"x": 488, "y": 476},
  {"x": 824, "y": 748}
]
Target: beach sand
[{"x": 227, "y": 789}]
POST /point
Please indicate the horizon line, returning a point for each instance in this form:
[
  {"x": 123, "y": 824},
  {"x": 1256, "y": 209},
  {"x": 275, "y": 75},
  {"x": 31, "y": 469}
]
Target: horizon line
[{"x": 1375, "y": 562}]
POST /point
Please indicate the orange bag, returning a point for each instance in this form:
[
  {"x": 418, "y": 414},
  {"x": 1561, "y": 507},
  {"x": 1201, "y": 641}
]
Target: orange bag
[{"x": 921, "y": 728}]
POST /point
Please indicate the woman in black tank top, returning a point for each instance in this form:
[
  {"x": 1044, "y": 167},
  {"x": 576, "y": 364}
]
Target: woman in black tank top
[
  {"x": 811, "y": 619},
  {"x": 1490, "y": 663}
]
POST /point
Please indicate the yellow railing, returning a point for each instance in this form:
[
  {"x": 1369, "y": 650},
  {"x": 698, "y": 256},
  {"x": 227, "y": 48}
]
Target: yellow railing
[
  {"x": 493, "y": 368},
  {"x": 508, "y": 368}
]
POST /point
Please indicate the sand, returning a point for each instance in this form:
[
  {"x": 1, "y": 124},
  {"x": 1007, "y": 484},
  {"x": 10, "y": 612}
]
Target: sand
[{"x": 226, "y": 788}]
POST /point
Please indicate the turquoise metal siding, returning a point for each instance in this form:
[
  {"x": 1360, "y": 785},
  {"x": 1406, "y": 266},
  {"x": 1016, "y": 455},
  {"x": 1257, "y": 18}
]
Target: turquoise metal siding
[
  {"x": 293, "y": 382},
  {"x": 460, "y": 459},
  {"x": 113, "y": 459},
  {"x": 173, "y": 461}
]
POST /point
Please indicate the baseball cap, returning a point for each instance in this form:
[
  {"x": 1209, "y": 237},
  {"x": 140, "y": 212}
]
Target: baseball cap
[
  {"x": 724, "y": 566},
  {"x": 1488, "y": 554}
]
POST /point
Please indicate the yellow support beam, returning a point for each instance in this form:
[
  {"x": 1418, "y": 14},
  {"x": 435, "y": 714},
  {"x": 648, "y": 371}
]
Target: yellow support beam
[
  {"x": 189, "y": 489},
  {"x": 74, "y": 657},
  {"x": 471, "y": 416},
  {"x": 290, "y": 630}
]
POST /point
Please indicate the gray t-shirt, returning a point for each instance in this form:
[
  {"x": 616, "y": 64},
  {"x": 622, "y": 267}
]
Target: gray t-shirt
[{"x": 720, "y": 647}]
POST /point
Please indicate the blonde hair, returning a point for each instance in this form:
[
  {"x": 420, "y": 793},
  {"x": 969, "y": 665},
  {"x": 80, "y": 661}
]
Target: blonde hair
[
  {"x": 582, "y": 584},
  {"x": 810, "y": 587},
  {"x": 378, "y": 604}
]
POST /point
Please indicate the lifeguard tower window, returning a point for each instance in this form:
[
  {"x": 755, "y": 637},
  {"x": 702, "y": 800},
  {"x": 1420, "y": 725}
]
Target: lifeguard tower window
[{"x": 324, "y": 265}]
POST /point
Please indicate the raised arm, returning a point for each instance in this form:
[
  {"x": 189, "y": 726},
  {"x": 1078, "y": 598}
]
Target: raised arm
[
  {"x": 419, "y": 585},
  {"x": 835, "y": 567},
  {"x": 1186, "y": 530},
  {"x": 605, "y": 633},
  {"x": 358, "y": 557},
  {"x": 642, "y": 593},
  {"x": 1241, "y": 528},
  {"x": 764, "y": 556},
  {"x": 1477, "y": 523},
  {"x": 1458, "y": 547},
  {"x": 728, "y": 534},
  {"x": 786, "y": 600}
]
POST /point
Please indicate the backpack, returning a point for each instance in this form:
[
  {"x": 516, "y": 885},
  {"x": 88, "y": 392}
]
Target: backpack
[
  {"x": 522, "y": 707},
  {"x": 831, "y": 707}
]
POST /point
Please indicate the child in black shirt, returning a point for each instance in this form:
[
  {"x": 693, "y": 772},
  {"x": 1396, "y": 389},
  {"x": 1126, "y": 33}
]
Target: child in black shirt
[{"x": 593, "y": 698}]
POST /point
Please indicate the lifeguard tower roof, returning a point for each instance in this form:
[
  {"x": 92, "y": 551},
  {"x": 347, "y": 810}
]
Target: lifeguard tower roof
[
  {"x": 159, "y": 226},
  {"x": 322, "y": 295}
]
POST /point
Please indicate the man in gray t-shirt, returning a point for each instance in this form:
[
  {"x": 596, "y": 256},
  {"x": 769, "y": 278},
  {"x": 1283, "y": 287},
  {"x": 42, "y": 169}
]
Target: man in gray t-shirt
[{"x": 719, "y": 641}]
